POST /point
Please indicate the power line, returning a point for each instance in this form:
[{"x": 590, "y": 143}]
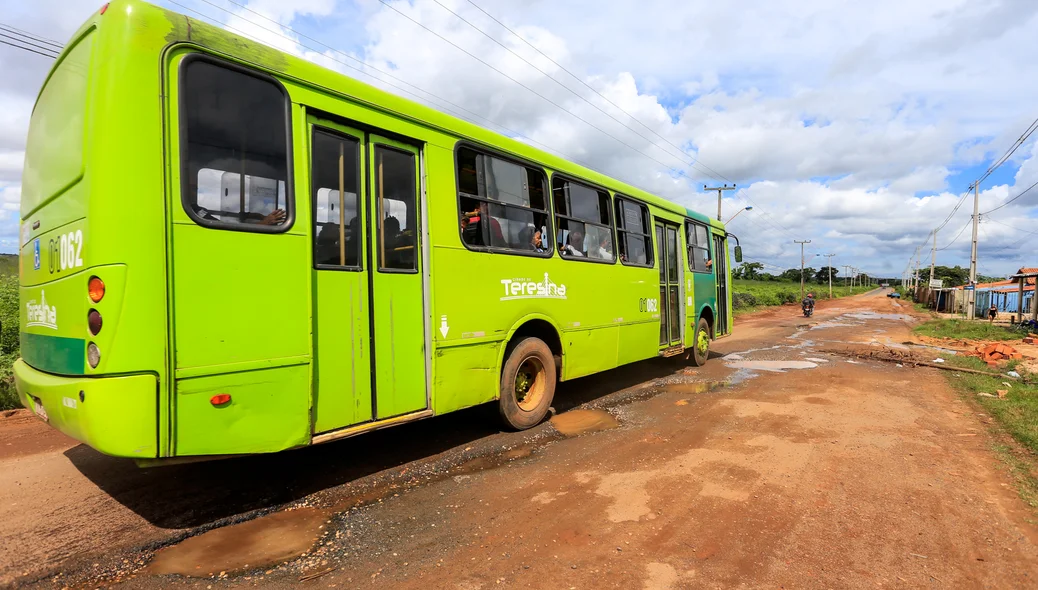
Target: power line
[
  {"x": 1022, "y": 193},
  {"x": 1005, "y": 157},
  {"x": 21, "y": 39},
  {"x": 1012, "y": 227},
  {"x": 571, "y": 74},
  {"x": 32, "y": 36},
  {"x": 50, "y": 55},
  {"x": 956, "y": 236}
]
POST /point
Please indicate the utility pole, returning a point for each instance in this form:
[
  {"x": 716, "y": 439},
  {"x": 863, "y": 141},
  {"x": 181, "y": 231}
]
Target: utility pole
[
  {"x": 801, "y": 242},
  {"x": 720, "y": 190},
  {"x": 830, "y": 266},
  {"x": 847, "y": 277},
  {"x": 933, "y": 255},
  {"x": 971, "y": 297}
]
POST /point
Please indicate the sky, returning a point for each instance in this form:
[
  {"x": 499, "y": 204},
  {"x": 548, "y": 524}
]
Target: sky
[{"x": 856, "y": 125}]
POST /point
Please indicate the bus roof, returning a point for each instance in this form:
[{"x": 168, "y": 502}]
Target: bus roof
[{"x": 190, "y": 30}]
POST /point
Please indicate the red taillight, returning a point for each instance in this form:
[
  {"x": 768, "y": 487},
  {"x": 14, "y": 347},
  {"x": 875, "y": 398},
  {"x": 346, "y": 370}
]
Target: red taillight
[
  {"x": 94, "y": 321},
  {"x": 104, "y": 8},
  {"x": 220, "y": 399},
  {"x": 96, "y": 289}
]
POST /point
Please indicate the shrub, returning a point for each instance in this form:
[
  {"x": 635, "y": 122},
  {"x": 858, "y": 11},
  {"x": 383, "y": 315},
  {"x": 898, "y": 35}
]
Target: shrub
[{"x": 743, "y": 300}]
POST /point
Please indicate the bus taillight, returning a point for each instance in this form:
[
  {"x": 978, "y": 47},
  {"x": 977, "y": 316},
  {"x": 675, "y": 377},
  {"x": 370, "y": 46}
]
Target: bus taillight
[
  {"x": 96, "y": 289},
  {"x": 93, "y": 355},
  {"x": 94, "y": 321}
]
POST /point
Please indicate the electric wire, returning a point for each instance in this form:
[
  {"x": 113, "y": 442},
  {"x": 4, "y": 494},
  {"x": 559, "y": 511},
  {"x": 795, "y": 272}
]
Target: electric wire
[{"x": 50, "y": 55}]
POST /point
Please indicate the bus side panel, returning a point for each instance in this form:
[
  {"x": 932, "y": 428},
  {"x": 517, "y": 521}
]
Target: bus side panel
[
  {"x": 637, "y": 342},
  {"x": 265, "y": 413},
  {"x": 590, "y": 351},
  {"x": 465, "y": 376}
]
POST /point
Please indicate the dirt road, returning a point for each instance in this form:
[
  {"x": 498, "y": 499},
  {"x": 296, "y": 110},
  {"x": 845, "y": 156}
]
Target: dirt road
[{"x": 807, "y": 469}]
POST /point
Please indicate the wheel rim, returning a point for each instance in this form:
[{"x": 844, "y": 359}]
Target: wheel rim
[
  {"x": 530, "y": 384},
  {"x": 702, "y": 343}
]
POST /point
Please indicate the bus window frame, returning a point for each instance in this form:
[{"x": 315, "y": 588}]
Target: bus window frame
[
  {"x": 376, "y": 207},
  {"x": 183, "y": 141},
  {"x": 619, "y": 198},
  {"x": 690, "y": 247},
  {"x": 611, "y": 225},
  {"x": 361, "y": 145},
  {"x": 545, "y": 185}
]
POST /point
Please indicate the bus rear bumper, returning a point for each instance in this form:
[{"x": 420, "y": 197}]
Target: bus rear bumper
[{"x": 114, "y": 415}]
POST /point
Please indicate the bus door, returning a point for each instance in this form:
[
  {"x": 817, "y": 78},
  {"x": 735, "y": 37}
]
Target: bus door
[
  {"x": 369, "y": 335},
  {"x": 670, "y": 286},
  {"x": 721, "y": 276}
]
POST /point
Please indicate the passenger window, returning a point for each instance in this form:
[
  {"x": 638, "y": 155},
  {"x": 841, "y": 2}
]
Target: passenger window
[
  {"x": 583, "y": 223},
  {"x": 234, "y": 149},
  {"x": 502, "y": 204},
  {"x": 336, "y": 184},
  {"x": 633, "y": 238},
  {"x": 698, "y": 247},
  {"x": 397, "y": 219}
]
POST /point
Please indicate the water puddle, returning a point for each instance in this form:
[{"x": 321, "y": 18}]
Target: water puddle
[
  {"x": 258, "y": 543},
  {"x": 871, "y": 315},
  {"x": 815, "y": 360},
  {"x": 826, "y": 325},
  {"x": 772, "y": 366},
  {"x": 693, "y": 387},
  {"x": 577, "y": 422}
]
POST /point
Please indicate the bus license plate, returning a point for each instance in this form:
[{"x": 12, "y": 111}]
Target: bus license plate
[{"x": 38, "y": 408}]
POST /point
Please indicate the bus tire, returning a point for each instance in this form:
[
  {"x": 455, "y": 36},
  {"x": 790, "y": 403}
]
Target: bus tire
[
  {"x": 527, "y": 384},
  {"x": 701, "y": 343}
]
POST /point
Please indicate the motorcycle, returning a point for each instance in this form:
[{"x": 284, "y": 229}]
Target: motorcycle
[{"x": 808, "y": 310}]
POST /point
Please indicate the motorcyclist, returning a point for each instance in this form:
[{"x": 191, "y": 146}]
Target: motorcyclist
[{"x": 808, "y": 302}]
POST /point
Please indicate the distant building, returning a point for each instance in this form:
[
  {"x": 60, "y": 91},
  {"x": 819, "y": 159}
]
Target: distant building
[{"x": 1004, "y": 294}]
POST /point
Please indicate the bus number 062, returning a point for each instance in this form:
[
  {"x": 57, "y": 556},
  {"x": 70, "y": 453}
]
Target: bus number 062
[
  {"x": 66, "y": 252},
  {"x": 648, "y": 305}
]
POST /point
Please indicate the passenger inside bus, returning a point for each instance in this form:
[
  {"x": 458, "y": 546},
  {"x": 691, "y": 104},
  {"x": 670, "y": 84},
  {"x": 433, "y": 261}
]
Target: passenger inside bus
[
  {"x": 604, "y": 250},
  {"x": 574, "y": 244},
  {"x": 472, "y": 227}
]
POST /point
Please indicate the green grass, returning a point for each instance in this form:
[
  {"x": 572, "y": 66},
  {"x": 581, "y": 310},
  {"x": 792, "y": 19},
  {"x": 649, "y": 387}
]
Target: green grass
[
  {"x": 751, "y": 295},
  {"x": 967, "y": 330},
  {"x": 1017, "y": 415},
  {"x": 8, "y": 330}
]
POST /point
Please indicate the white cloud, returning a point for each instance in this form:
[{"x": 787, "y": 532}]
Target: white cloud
[{"x": 831, "y": 115}]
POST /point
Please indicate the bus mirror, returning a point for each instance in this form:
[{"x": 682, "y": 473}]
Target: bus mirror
[{"x": 738, "y": 253}]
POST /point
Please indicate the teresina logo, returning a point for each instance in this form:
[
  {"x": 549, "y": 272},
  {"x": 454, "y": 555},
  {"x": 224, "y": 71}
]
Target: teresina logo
[
  {"x": 39, "y": 314},
  {"x": 527, "y": 289}
]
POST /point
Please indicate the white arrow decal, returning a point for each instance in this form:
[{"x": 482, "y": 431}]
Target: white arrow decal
[{"x": 444, "y": 328}]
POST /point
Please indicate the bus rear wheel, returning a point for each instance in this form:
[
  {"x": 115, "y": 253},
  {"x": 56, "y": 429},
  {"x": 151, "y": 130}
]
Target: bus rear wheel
[
  {"x": 527, "y": 384},
  {"x": 701, "y": 344}
]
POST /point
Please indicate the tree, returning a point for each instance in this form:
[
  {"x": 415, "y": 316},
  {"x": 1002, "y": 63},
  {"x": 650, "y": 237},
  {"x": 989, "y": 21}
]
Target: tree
[
  {"x": 823, "y": 274},
  {"x": 792, "y": 274},
  {"x": 750, "y": 270}
]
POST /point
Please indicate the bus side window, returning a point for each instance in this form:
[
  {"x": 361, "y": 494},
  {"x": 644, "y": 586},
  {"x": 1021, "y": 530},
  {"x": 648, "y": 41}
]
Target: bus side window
[
  {"x": 234, "y": 148},
  {"x": 336, "y": 183},
  {"x": 634, "y": 242},
  {"x": 698, "y": 246},
  {"x": 502, "y": 204},
  {"x": 583, "y": 220}
]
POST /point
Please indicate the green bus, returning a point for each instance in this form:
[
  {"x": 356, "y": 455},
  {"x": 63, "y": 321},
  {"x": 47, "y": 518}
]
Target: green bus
[{"x": 227, "y": 250}]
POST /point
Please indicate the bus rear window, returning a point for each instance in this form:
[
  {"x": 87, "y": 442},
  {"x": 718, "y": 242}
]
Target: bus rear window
[{"x": 234, "y": 148}]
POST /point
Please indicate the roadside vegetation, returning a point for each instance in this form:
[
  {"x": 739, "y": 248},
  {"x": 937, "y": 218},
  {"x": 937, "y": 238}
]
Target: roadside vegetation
[
  {"x": 748, "y": 295},
  {"x": 1016, "y": 413},
  {"x": 8, "y": 329},
  {"x": 967, "y": 330}
]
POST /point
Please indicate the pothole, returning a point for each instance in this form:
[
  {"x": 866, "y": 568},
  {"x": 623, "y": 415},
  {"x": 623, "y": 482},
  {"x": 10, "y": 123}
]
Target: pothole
[
  {"x": 773, "y": 366},
  {"x": 577, "y": 422},
  {"x": 253, "y": 544}
]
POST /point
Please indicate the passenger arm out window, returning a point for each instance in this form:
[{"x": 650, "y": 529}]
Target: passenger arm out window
[{"x": 698, "y": 238}]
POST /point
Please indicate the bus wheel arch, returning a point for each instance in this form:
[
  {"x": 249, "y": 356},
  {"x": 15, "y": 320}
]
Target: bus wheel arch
[
  {"x": 707, "y": 313},
  {"x": 529, "y": 373}
]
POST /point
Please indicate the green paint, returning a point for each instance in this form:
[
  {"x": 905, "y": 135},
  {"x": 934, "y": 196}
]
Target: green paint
[
  {"x": 65, "y": 356},
  {"x": 191, "y": 312}
]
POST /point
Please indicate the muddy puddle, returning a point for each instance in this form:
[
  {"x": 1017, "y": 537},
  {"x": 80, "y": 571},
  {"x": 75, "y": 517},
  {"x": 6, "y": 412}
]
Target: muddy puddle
[
  {"x": 258, "y": 543},
  {"x": 577, "y": 422},
  {"x": 871, "y": 315},
  {"x": 772, "y": 366}
]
